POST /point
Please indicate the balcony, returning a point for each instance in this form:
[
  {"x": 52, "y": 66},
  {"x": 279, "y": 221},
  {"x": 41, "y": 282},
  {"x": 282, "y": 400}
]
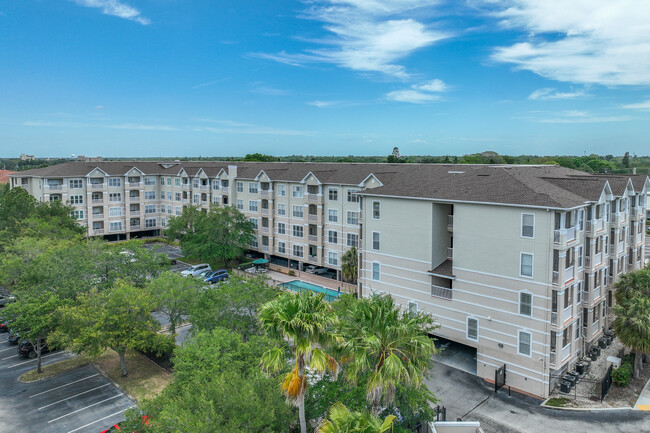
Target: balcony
[
  {"x": 552, "y": 358},
  {"x": 55, "y": 187},
  {"x": 441, "y": 292},
  {"x": 556, "y": 278},
  {"x": 97, "y": 201},
  {"x": 265, "y": 248},
  {"x": 186, "y": 186},
  {"x": 98, "y": 216},
  {"x": 639, "y": 238},
  {"x": 314, "y": 198},
  {"x": 313, "y": 217},
  {"x": 185, "y": 201},
  {"x": 313, "y": 238},
  {"x": 450, "y": 253},
  {"x": 620, "y": 248},
  {"x": 265, "y": 229},
  {"x": 569, "y": 274},
  {"x": 134, "y": 184},
  {"x": 204, "y": 187},
  {"x": 264, "y": 193},
  {"x": 554, "y": 318},
  {"x": 596, "y": 293},
  {"x": 312, "y": 259},
  {"x": 567, "y": 313},
  {"x": 566, "y": 352},
  {"x": 97, "y": 185},
  {"x": 450, "y": 221},
  {"x": 564, "y": 236},
  {"x": 265, "y": 211},
  {"x": 98, "y": 231},
  {"x": 134, "y": 227},
  {"x": 595, "y": 226}
]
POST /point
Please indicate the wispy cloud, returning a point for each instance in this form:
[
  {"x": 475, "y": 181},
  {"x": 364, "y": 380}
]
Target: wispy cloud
[
  {"x": 140, "y": 127},
  {"x": 131, "y": 126},
  {"x": 366, "y": 35},
  {"x": 268, "y": 90},
  {"x": 578, "y": 116},
  {"x": 645, "y": 105},
  {"x": 323, "y": 104},
  {"x": 550, "y": 93},
  {"x": 593, "y": 41},
  {"x": 233, "y": 127},
  {"x": 210, "y": 83},
  {"x": 419, "y": 93},
  {"x": 115, "y": 8}
]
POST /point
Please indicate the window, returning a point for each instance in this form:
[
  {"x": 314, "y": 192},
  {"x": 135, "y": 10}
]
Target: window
[
  {"x": 177, "y": 196},
  {"x": 177, "y": 181},
  {"x": 526, "y": 268},
  {"x": 282, "y": 229},
  {"x": 77, "y": 214},
  {"x": 298, "y": 211},
  {"x": 333, "y": 258},
  {"x": 353, "y": 218},
  {"x": 149, "y": 180},
  {"x": 413, "y": 308},
  {"x": 282, "y": 209},
  {"x": 195, "y": 199},
  {"x": 252, "y": 205},
  {"x": 376, "y": 271},
  {"x": 580, "y": 256},
  {"x": 254, "y": 243},
  {"x": 297, "y": 191},
  {"x": 115, "y": 197},
  {"x": 76, "y": 199},
  {"x": 472, "y": 329},
  {"x": 254, "y": 222},
  {"x": 333, "y": 194},
  {"x": 215, "y": 184},
  {"x": 195, "y": 183},
  {"x": 162, "y": 181},
  {"x": 252, "y": 187},
  {"x": 352, "y": 240},
  {"x": 525, "y": 304},
  {"x": 240, "y": 204},
  {"x": 332, "y": 237},
  {"x": 169, "y": 181},
  {"x": 178, "y": 211},
  {"x": 351, "y": 197},
  {"x": 114, "y": 181},
  {"x": 527, "y": 225},
  {"x": 76, "y": 183},
  {"x": 115, "y": 226},
  {"x": 150, "y": 222},
  {"x": 169, "y": 195},
  {"x": 333, "y": 215},
  {"x": 376, "y": 210},
  {"x": 577, "y": 328},
  {"x": 240, "y": 186},
  {"x": 297, "y": 250},
  {"x": 281, "y": 190},
  {"x": 150, "y": 208},
  {"x": 169, "y": 210},
  {"x": 375, "y": 240},
  {"x": 162, "y": 195},
  {"x": 115, "y": 212},
  {"x": 224, "y": 184},
  {"x": 524, "y": 343},
  {"x": 150, "y": 195},
  {"x": 298, "y": 231}
]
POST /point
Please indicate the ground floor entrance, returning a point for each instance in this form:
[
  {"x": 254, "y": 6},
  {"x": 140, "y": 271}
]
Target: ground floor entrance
[{"x": 456, "y": 355}]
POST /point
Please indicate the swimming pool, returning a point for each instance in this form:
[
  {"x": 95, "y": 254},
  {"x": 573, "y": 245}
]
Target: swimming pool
[{"x": 299, "y": 286}]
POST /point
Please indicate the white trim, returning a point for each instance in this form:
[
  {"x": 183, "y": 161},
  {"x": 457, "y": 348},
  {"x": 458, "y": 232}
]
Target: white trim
[
  {"x": 467, "y": 328},
  {"x": 521, "y": 232},
  {"x": 526, "y": 292},
  {"x": 372, "y": 210},
  {"x": 363, "y": 182},
  {"x": 372, "y": 271},
  {"x": 530, "y": 342},
  {"x": 372, "y": 241},
  {"x": 532, "y": 265}
]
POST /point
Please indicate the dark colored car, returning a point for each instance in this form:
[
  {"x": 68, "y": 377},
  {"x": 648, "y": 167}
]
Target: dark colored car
[
  {"x": 13, "y": 337},
  {"x": 4, "y": 327},
  {"x": 27, "y": 350},
  {"x": 216, "y": 276}
]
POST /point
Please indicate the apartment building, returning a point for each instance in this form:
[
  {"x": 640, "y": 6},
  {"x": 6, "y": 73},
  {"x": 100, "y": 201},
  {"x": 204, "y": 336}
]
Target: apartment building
[{"x": 515, "y": 262}]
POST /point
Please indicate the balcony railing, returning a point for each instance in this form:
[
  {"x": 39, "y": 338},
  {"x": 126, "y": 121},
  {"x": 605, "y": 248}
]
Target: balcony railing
[
  {"x": 562, "y": 236},
  {"x": 556, "y": 277},
  {"x": 450, "y": 220},
  {"x": 595, "y": 226},
  {"x": 314, "y": 198},
  {"x": 185, "y": 201},
  {"x": 98, "y": 231},
  {"x": 265, "y": 248},
  {"x": 312, "y": 259},
  {"x": 97, "y": 200},
  {"x": 313, "y": 217},
  {"x": 313, "y": 238},
  {"x": 553, "y": 317},
  {"x": 620, "y": 248},
  {"x": 204, "y": 187},
  {"x": 638, "y": 238},
  {"x": 552, "y": 358},
  {"x": 568, "y": 273},
  {"x": 441, "y": 292},
  {"x": 264, "y": 193},
  {"x": 596, "y": 293},
  {"x": 265, "y": 211},
  {"x": 450, "y": 253},
  {"x": 265, "y": 229},
  {"x": 134, "y": 227},
  {"x": 98, "y": 216},
  {"x": 134, "y": 184},
  {"x": 55, "y": 187},
  {"x": 567, "y": 313},
  {"x": 598, "y": 259},
  {"x": 97, "y": 186},
  {"x": 566, "y": 352}
]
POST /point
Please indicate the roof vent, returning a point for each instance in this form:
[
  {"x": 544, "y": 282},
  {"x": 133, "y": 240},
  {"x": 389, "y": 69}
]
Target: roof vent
[{"x": 455, "y": 172}]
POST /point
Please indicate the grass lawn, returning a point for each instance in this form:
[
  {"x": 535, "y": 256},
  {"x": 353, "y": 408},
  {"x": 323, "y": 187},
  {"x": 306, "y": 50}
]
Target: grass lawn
[
  {"x": 558, "y": 401},
  {"x": 55, "y": 368},
  {"x": 145, "y": 379}
]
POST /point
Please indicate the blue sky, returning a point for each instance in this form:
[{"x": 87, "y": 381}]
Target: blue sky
[{"x": 323, "y": 77}]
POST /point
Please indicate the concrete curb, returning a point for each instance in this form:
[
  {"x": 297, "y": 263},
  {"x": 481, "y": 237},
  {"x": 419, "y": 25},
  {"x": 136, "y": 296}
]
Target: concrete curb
[
  {"x": 103, "y": 373},
  {"x": 585, "y": 409}
]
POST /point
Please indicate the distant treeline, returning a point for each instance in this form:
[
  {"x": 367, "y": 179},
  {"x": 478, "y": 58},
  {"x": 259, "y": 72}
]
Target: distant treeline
[{"x": 591, "y": 164}]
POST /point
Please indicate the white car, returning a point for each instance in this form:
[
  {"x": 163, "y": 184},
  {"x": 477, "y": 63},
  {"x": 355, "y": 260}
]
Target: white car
[
  {"x": 311, "y": 269},
  {"x": 196, "y": 270}
]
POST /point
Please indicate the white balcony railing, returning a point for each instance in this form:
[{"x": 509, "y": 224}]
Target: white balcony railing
[
  {"x": 556, "y": 277},
  {"x": 598, "y": 259},
  {"x": 567, "y": 313},
  {"x": 552, "y": 358},
  {"x": 562, "y": 236},
  {"x": 98, "y": 231},
  {"x": 97, "y": 200},
  {"x": 553, "y": 317},
  {"x": 265, "y": 248},
  {"x": 97, "y": 186},
  {"x": 264, "y": 193},
  {"x": 620, "y": 248},
  {"x": 313, "y": 259},
  {"x": 450, "y": 253},
  {"x": 265, "y": 229},
  {"x": 569, "y": 273},
  {"x": 313, "y": 238},
  {"x": 313, "y": 217},
  {"x": 638, "y": 238},
  {"x": 265, "y": 211},
  {"x": 134, "y": 184},
  {"x": 313, "y": 197},
  {"x": 441, "y": 292},
  {"x": 595, "y": 226},
  {"x": 596, "y": 293},
  {"x": 450, "y": 220},
  {"x": 566, "y": 352},
  {"x": 55, "y": 187}
]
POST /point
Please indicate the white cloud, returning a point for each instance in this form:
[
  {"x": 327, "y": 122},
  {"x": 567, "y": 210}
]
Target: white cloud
[
  {"x": 322, "y": 104},
  {"x": 433, "y": 86},
  {"x": 267, "y": 90},
  {"x": 579, "y": 41},
  {"x": 233, "y": 127},
  {"x": 550, "y": 93},
  {"x": 141, "y": 127},
  {"x": 645, "y": 105},
  {"x": 578, "y": 116},
  {"x": 412, "y": 96},
  {"x": 115, "y": 8},
  {"x": 367, "y": 35}
]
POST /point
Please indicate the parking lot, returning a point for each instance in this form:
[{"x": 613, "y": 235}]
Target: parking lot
[{"x": 79, "y": 401}]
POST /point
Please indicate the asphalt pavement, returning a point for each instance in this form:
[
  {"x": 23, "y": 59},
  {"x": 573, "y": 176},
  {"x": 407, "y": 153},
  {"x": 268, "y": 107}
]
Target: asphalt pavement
[{"x": 78, "y": 401}]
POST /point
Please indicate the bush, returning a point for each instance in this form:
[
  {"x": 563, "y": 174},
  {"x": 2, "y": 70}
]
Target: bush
[{"x": 621, "y": 376}]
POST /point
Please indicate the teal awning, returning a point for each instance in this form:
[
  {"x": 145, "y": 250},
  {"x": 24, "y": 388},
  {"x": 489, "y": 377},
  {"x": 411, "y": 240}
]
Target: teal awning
[{"x": 260, "y": 262}]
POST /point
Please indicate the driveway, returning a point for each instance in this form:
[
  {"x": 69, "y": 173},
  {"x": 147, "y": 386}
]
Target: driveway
[
  {"x": 79, "y": 401},
  {"x": 470, "y": 398}
]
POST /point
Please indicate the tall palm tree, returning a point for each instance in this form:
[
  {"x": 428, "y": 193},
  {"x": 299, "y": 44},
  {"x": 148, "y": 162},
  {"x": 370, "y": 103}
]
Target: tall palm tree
[
  {"x": 349, "y": 265},
  {"x": 390, "y": 344},
  {"x": 304, "y": 323},
  {"x": 341, "y": 420},
  {"x": 632, "y": 326}
]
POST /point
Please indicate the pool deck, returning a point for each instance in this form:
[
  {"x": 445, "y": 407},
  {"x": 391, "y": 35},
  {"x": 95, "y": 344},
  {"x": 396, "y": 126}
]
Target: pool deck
[{"x": 279, "y": 278}]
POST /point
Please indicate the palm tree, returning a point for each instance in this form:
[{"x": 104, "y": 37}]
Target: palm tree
[
  {"x": 632, "y": 326},
  {"x": 341, "y": 420},
  {"x": 392, "y": 345},
  {"x": 349, "y": 265},
  {"x": 304, "y": 323}
]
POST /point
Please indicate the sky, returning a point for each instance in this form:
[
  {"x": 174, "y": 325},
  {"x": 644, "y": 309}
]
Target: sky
[{"x": 164, "y": 78}]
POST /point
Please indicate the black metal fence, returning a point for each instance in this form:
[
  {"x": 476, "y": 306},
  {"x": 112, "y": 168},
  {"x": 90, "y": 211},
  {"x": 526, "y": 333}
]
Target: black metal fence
[
  {"x": 499, "y": 378},
  {"x": 606, "y": 383}
]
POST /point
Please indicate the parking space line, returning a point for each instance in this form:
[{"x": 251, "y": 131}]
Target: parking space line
[
  {"x": 8, "y": 348},
  {"x": 101, "y": 419},
  {"x": 73, "y": 396},
  {"x": 32, "y": 360},
  {"x": 62, "y": 386},
  {"x": 84, "y": 408}
]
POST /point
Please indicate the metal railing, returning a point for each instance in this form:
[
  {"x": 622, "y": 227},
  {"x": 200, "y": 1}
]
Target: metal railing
[
  {"x": 568, "y": 273},
  {"x": 313, "y": 238},
  {"x": 441, "y": 292},
  {"x": 313, "y": 197},
  {"x": 313, "y": 217},
  {"x": 566, "y": 352},
  {"x": 55, "y": 187},
  {"x": 97, "y": 200}
]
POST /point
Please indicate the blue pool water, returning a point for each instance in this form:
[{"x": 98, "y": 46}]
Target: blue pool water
[{"x": 299, "y": 286}]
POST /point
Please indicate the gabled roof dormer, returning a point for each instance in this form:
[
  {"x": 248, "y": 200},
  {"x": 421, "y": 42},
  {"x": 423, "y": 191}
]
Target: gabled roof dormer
[
  {"x": 135, "y": 171},
  {"x": 606, "y": 195},
  {"x": 222, "y": 174},
  {"x": 182, "y": 173},
  {"x": 371, "y": 181},
  {"x": 311, "y": 179},
  {"x": 97, "y": 172},
  {"x": 201, "y": 174},
  {"x": 262, "y": 177}
]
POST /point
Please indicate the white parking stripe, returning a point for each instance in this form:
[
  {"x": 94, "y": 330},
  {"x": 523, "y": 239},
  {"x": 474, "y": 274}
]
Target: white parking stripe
[
  {"x": 84, "y": 408},
  {"x": 101, "y": 419},
  {"x": 32, "y": 360},
  {"x": 62, "y": 386},
  {"x": 73, "y": 396},
  {"x": 9, "y": 357},
  {"x": 9, "y": 348}
]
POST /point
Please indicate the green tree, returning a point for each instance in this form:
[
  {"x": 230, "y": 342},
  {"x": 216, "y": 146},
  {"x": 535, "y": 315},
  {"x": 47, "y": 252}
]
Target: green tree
[
  {"x": 35, "y": 319},
  {"x": 118, "y": 318},
  {"x": 342, "y": 420},
  {"x": 350, "y": 265},
  {"x": 392, "y": 345},
  {"x": 233, "y": 305},
  {"x": 626, "y": 160},
  {"x": 175, "y": 296},
  {"x": 632, "y": 310},
  {"x": 303, "y": 323},
  {"x": 220, "y": 235}
]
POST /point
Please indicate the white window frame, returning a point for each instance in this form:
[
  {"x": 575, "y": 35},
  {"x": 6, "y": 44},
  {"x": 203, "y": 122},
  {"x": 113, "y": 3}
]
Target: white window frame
[
  {"x": 375, "y": 271},
  {"x": 532, "y": 265},
  {"x": 254, "y": 222},
  {"x": 333, "y": 234},
  {"x": 240, "y": 204},
  {"x": 467, "y": 328},
  {"x": 150, "y": 195},
  {"x": 520, "y": 303},
  {"x": 296, "y": 247},
  {"x": 356, "y": 218},
  {"x": 521, "y": 234},
  {"x": 282, "y": 228},
  {"x": 282, "y": 247},
  {"x": 530, "y": 343},
  {"x": 355, "y": 244},
  {"x": 294, "y": 230},
  {"x": 333, "y": 215},
  {"x": 78, "y": 183},
  {"x": 298, "y": 211},
  {"x": 372, "y": 240},
  {"x": 116, "y": 224},
  {"x": 253, "y": 206},
  {"x": 335, "y": 256},
  {"x": 333, "y": 192},
  {"x": 114, "y": 182},
  {"x": 282, "y": 209},
  {"x": 252, "y": 188},
  {"x": 177, "y": 181},
  {"x": 297, "y": 191},
  {"x": 281, "y": 190},
  {"x": 378, "y": 203},
  {"x": 240, "y": 186},
  {"x": 76, "y": 199},
  {"x": 116, "y": 211}
]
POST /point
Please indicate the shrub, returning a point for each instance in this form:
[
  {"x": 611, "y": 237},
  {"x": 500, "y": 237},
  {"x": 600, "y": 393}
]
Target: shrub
[
  {"x": 292, "y": 273},
  {"x": 621, "y": 376}
]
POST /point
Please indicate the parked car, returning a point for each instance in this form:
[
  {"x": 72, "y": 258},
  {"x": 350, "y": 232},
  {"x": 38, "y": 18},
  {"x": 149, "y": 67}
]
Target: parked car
[
  {"x": 4, "y": 327},
  {"x": 216, "y": 276},
  {"x": 196, "y": 270},
  {"x": 27, "y": 350},
  {"x": 204, "y": 274},
  {"x": 312, "y": 269},
  {"x": 13, "y": 337}
]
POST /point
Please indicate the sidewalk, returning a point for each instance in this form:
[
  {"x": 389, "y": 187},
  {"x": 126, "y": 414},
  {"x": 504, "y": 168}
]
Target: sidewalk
[{"x": 643, "y": 402}]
